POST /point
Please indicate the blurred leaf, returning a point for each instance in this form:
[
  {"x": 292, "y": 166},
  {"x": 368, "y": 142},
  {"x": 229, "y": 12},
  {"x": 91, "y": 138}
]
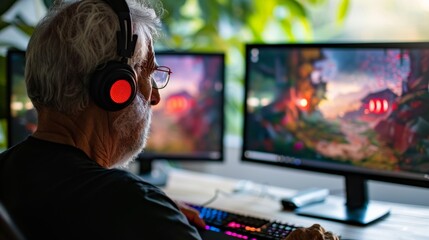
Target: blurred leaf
[
  {"x": 210, "y": 11},
  {"x": 342, "y": 10},
  {"x": 308, "y": 29},
  {"x": 3, "y": 24},
  {"x": 315, "y": 2},
  {"x": 48, "y": 3},
  {"x": 19, "y": 20},
  {"x": 173, "y": 8},
  {"x": 257, "y": 22},
  {"x": 295, "y": 7},
  {"x": 239, "y": 9},
  {"x": 287, "y": 28},
  {"x": 5, "y": 5},
  {"x": 25, "y": 28}
]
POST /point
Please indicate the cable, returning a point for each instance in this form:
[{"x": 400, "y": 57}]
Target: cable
[
  {"x": 261, "y": 191},
  {"x": 212, "y": 199}
]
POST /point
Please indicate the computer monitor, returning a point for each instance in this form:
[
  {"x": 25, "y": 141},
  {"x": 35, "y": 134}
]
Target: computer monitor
[
  {"x": 3, "y": 112},
  {"x": 360, "y": 110},
  {"x": 188, "y": 123},
  {"x": 22, "y": 116}
]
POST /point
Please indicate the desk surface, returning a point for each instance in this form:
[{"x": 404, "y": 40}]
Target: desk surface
[{"x": 404, "y": 222}]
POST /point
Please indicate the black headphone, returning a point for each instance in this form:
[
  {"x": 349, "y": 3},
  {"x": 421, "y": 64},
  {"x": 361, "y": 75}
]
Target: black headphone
[{"x": 113, "y": 85}]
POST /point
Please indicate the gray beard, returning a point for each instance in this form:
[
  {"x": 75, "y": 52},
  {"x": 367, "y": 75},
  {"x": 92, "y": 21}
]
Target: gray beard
[{"x": 132, "y": 128}]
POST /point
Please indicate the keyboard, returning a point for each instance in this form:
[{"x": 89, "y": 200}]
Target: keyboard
[{"x": 239, "y": 226}]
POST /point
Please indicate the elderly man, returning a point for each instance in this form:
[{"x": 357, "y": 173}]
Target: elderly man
[{"x": 92, "y": 76}]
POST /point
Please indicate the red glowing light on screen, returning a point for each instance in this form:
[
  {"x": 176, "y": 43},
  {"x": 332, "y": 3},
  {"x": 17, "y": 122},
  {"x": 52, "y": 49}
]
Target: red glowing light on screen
[
  {"x": 177, "y": 104},
  {"x": 385, "y": 105},
  {"x": 378, "y": 106},
  {"x": 303, "y": 102}
]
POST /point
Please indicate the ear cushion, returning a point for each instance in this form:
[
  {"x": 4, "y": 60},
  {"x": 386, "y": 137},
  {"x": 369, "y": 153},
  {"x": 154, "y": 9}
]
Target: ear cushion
[{"x": 113, "y": 86}]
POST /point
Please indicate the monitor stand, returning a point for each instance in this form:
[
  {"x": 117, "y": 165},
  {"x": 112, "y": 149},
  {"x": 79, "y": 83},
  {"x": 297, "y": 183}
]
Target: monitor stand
[
  {"x": 357, "y": 210},
  {"x": 152, "y": 173}
]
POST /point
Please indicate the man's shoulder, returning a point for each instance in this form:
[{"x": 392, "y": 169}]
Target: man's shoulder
[
  {"x": 126, "y": 177},
  {"x": 129, "y": 192},
  {"x": 126, "y": 182}
]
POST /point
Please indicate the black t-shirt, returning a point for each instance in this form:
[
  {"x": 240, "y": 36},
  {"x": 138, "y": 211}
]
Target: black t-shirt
[{"x": 54, "y": 191}]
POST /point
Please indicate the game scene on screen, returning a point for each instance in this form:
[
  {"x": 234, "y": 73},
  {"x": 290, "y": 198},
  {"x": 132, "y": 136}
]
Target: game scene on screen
[
  {"x": 360, "y": 107},
  {"x": 188, "y": 119}
]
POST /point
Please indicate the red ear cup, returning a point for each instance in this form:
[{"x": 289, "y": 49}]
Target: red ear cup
[
  {"x": 120, "y": 91},
  {"x": 113, "y": 86}
]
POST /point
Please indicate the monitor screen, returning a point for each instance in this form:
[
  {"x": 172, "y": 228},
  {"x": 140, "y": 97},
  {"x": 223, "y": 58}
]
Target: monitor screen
[
  {"x": 22, "y": 115},
  {"x": 187, "y": 124},
  {"x": 355, "y": 109}
]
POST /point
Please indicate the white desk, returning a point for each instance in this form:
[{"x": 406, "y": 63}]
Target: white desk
[{"x": 404, "y": 222}]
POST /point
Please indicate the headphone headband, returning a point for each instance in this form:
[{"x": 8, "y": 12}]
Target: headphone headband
[{"x": 126, "y": 42}]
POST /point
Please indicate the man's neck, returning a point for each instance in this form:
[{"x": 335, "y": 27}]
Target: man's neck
[{"x": 87, "y": 131}]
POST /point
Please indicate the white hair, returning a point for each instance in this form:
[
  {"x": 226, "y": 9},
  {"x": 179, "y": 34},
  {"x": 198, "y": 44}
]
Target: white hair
[{"x": 71, "y": 41}]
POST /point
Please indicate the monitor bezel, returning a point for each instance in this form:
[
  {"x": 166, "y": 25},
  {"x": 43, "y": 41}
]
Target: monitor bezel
[
  {"x": 9, "y": 84},
  {"x": 349, "y": 171},
  {"x": 195, "y": 158}
]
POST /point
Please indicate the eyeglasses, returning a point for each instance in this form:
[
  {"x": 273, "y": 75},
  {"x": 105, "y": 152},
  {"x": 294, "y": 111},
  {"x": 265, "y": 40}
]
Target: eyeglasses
[{"x": 160, "y": 77}]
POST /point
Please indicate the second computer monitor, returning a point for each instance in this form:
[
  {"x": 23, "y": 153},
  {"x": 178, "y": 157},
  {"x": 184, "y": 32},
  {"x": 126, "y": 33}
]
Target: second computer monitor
[
  {"x": 354, "y": 109},
  {"x": 188, "y": 123},
  {"x": 22, "y": 116}
]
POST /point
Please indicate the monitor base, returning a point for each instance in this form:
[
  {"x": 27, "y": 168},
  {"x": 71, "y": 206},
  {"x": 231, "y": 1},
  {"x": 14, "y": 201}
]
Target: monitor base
[
  {"x": 153, "y": 172},
  {"x": 156, "y": 177},
  {"x": 371, "y": 213}
]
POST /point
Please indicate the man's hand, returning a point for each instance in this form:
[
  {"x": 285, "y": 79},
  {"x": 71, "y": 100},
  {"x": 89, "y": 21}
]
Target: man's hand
[
  {"x": 191, "y": 214},
  {"x": 315, "y": 232}
]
